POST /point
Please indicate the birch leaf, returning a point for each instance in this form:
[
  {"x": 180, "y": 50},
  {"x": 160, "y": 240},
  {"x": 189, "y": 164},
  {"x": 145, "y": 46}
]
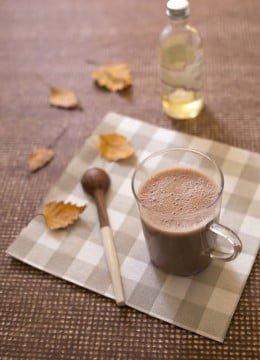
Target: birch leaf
[
  {"x": 39, "y": 158},
  {"x": 115, "y": 147},
  {"x": 59, "y": 215},
  {"x": 113, "y": 77},
  {"x": 63, "y": 98}
]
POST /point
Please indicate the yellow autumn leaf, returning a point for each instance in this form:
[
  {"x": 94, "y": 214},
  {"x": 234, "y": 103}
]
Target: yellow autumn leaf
[
  {"x": 114, "y": 77},
  {"x": 39, "y": 158},
  {"x": 63, "y": 98},
  {"x": 115, "y": 147},
  {"x": 59, "y": 215}
]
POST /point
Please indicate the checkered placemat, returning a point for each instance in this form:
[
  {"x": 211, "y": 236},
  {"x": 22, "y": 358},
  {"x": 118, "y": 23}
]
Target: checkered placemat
[{"x": 204, "y": 303}]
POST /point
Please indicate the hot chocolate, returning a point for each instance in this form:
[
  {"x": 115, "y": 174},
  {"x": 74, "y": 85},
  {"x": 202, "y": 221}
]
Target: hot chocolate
[{"x": 177, "y": 207}]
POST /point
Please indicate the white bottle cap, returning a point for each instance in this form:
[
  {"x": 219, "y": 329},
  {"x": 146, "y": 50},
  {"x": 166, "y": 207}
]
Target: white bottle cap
[{"x": 178, "y": 9}]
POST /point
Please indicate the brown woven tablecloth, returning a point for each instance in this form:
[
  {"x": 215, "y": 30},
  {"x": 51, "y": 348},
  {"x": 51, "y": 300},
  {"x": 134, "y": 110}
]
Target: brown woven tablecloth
[{"x": 59, "y": 42}]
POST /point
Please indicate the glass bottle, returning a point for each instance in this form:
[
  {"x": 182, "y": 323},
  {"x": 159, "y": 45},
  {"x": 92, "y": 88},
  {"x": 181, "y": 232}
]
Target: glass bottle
[{"x": 180, "y": 64}]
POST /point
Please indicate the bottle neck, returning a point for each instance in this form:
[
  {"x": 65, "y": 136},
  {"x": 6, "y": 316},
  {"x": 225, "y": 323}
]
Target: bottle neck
[{"x": 179, "y": 23}]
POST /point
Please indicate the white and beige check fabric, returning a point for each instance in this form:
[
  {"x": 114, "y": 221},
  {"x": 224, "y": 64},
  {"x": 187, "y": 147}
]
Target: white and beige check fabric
[{"x": 204, "y": 303}]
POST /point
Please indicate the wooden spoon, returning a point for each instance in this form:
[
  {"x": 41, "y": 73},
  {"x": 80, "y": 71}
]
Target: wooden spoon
[{"x": 96, "y": 182}]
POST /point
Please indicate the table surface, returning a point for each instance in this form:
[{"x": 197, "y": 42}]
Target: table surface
[{"x": 60, "y": 42}]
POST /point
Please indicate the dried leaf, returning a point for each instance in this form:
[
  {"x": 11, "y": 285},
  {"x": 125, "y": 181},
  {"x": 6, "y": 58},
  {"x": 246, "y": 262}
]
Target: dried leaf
[
  {"x": 39, "y": 158},
  {"x": 113, "y": 77},
  {"x": 59, "y": 215},
  {"x": 63, "y": 98},
  {"x": 115, "y": 147}
]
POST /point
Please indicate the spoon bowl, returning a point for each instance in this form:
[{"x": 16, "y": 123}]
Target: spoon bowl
[{"x": 95, "y": 179}]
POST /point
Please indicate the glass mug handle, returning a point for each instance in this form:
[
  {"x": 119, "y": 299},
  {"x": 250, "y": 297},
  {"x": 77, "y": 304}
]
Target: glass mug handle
[{"x": 231, "y": 237}]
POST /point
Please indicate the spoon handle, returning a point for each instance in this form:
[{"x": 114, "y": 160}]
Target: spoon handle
[
  {"x": 101, "y": 208},
  {"x": 110, "y": 250},
  {"x": 113, "y": 264}
]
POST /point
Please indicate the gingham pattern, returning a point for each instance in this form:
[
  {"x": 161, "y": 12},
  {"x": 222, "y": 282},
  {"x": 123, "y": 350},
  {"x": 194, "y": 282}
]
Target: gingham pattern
[{"x": 204, "y": 303}]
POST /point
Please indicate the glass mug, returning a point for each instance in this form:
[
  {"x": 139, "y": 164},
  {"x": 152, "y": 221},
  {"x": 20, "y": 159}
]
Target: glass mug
[{"x": 190, "y": 250}]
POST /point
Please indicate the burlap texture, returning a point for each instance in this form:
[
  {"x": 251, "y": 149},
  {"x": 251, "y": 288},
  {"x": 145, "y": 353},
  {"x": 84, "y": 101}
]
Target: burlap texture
[{"x": 59, "y": 42}]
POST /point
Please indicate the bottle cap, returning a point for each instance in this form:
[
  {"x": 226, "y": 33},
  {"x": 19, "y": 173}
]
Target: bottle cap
[{"x": 178, "y": 9}]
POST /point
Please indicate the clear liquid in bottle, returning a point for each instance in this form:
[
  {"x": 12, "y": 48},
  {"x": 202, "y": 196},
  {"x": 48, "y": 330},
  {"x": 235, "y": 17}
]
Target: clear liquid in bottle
[{"x": 180, "y": 64}]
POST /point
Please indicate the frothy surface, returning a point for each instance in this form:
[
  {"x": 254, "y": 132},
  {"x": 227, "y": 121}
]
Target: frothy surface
[{"x": 178, "y": 192}]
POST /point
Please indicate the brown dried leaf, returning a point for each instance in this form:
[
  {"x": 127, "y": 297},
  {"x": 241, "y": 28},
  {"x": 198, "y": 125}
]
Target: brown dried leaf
[
  {"x": 39, "y": 158},
  {"x": 63, "y": 98},
  {"x": 114, "y": 77},
  {"x": 59, "y": 215},
  {"x": 115, "y": 147}
]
